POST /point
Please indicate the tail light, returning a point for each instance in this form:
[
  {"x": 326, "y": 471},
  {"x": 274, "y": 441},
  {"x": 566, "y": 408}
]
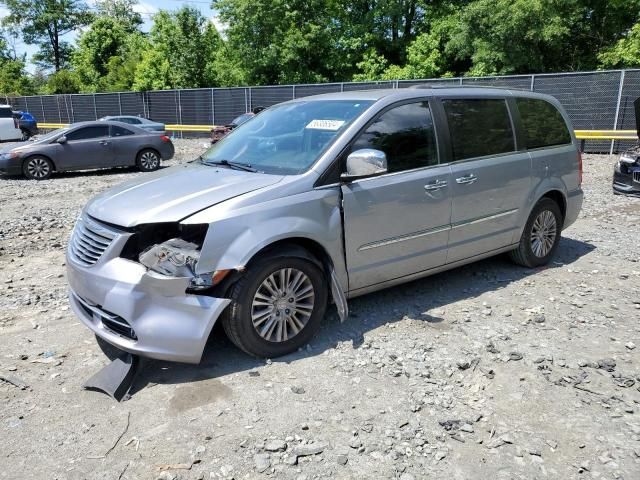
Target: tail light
[
  {"x": 166, "y": 139},
  {"x": 579, "y": 168}
]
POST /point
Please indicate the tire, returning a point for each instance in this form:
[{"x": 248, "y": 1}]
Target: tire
[
  {"x": 37, "y": 167},
  {"x": 277, "y": 318},
  {"x": 26, "y": 134},
  {"x": 148, "y": 160},
  {"x": 541, "y": 235}
]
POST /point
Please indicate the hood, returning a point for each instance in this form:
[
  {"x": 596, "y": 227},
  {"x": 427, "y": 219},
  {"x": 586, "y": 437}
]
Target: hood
[{"x": 171, "y": 194}]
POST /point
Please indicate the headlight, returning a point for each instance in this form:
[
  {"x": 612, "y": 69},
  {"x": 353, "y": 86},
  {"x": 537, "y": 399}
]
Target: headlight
[
  {"x": 8, "y": 156},
  {"x": 627, "y": 159},
  {"x": 178, "y": 258},
  {"x": 175, "y": 257}
]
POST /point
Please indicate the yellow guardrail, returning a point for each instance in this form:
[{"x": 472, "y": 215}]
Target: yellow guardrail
[
  {"x": 580, "y": 134},
  {"x": 606, "y": 134}
]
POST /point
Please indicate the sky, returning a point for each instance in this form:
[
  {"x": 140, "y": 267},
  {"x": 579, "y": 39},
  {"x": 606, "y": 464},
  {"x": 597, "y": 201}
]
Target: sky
[{"x": 145, "y": 8}]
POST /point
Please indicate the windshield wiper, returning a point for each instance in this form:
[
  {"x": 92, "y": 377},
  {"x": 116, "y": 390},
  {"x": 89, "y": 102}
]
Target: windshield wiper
[{"x": 227, "y": 163}]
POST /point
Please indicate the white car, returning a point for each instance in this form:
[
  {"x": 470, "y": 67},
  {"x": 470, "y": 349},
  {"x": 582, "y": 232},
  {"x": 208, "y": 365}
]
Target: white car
[{"x": 8, "y": 125}]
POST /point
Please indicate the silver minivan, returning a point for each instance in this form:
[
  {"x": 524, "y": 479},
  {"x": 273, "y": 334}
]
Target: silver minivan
[{"x": 316, "y": 201}]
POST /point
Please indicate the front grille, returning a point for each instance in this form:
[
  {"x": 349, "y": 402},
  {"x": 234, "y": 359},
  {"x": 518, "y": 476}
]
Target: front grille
[
  {"x": 109, "y": 320},
  {"x": 636, "y": 176},
  {"x": 89, "y": 240}
]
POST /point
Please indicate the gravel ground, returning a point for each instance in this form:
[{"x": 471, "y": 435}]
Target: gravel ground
[{"x": 487, "y": 371}]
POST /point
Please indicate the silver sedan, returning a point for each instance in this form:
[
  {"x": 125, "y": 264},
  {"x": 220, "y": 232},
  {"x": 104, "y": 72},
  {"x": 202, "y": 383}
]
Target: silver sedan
[{"x": 87, "y": 145}]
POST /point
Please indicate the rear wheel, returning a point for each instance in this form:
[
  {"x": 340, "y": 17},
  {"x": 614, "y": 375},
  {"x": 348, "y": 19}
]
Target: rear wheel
[
  {"x": 148, "y": 160},
  {"x": 37, "y": 168},
  {"x": 26, "y": 134},
  {"x": 276, "y": 307},
  {"x": 541, "y": 235}
]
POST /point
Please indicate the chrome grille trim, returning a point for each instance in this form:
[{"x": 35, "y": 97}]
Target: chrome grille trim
[
  {"x": 89, "y": 241},
  {"x": 636, "y": 176}
]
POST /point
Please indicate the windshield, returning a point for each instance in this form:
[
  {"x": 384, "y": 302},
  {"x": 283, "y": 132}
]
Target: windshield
[
  {"x": 287, "y": 139},
  {"x": 242, "y": 118}
]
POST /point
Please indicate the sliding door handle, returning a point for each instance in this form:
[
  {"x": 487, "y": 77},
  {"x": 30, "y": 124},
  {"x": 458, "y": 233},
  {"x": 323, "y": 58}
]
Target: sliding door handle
[{"x": 471, "y": 178}]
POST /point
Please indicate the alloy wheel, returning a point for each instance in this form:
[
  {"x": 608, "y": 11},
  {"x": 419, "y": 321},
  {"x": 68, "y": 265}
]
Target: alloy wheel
[
  {"x": 149, "y": 160},
  {"x": 543, "y": 233},
  {"x": 282, "y": 305},
  {"x": 38, "y": 167}
]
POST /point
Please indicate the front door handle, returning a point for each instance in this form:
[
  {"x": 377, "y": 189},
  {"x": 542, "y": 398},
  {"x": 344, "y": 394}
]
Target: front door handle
[
  {"x": 437, "y": 185},
  {"x": 471, "y": 178},
  {"x": 104, "y": 142}
]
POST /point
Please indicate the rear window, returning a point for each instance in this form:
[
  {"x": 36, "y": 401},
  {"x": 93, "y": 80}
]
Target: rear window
[
  {"x": 543, "y": 124},
  {"x": 6, "y": 112},
  {"x": 479, "y": 127}
]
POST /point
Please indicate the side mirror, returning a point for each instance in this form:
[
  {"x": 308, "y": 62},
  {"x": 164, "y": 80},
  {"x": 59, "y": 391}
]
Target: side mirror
[
  {"x": 62, "y": 139},
  {"x": 365, "y": 163}
]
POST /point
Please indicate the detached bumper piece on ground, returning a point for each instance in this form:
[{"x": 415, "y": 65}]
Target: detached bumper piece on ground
[{"x": 116, "y": 378}]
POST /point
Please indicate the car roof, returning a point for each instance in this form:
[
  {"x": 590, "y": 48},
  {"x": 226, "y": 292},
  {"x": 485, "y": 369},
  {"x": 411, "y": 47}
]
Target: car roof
[
  {"x": 420, "y": 91},
  {"x": 100, "y": 123}
]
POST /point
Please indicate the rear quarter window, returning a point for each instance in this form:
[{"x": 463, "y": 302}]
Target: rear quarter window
[
  {"x": 542, "y": 123},
  {"x": 6, "y": 113}
]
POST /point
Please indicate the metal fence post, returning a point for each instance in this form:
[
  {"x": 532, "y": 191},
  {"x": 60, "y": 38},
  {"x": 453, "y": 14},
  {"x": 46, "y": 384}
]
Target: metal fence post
[
  {"x": 342, "y": 86},
  {"x": 247, "y": 99},
  {"x": 73, "y": 116},
  {"x": 293, "y": 93},
  {"x": 44, "y": 117},
  {"x": 95, "y": 108},
  {"x": 460, "y": 80},
  {"x": 213, "y": 107},
  {"x": 615, "y": 121},
  {"x": 533, "y": 82},
  {"x": 120, "y": 103}
]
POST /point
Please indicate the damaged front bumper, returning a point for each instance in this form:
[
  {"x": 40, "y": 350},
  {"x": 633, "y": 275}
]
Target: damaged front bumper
[{"x": 142, "y": 312}]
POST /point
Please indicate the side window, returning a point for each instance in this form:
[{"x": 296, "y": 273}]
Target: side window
[
  {"x": 543, "y": 124},
  {"x": 405, "y": 134},
  {"x": 6, "y": 112},
  {"x": 88, "y": 133},
  {"x": 133, "y": 121},
  {"x": 479, "y": 127},
  {"x": 117, "y": 131}
]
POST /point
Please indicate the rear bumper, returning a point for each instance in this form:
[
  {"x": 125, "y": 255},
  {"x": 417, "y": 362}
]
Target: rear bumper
[
  {"x": 574, "y": 205},
  {"x": 168, "y": 151},
  {"x": 164, "y": 322}
]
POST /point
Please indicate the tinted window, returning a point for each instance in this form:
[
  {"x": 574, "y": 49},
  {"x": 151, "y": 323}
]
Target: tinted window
[
  {"x": 543, "y": 124},
  {"x": 6, "y": 113},
  {"x": 89, "y": 132},
  {"x": 405, "y": 134},
  {"x": 479, "y": 127},
  {"x": 117, "y": 131}
]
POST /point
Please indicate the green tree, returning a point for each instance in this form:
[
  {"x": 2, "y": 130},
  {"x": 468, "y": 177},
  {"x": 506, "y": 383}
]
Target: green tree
[
  {"x": 44, "y": 23},
  {"x": 121, "y": 11},
  {"x": 185, "y": 41},
  {"x": 279, "y": 41},
  {"x": 625, "y": 53},
  {"x": 62, "y": 81},
  {"x": 105, "y": 38}
]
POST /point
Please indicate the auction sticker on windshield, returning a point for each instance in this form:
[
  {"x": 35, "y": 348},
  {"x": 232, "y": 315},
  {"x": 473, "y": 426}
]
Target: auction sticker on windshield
[{"x": 325, "y": 124}]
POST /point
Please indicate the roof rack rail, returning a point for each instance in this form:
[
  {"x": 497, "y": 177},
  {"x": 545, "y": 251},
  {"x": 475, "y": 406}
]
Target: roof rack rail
[{"x": 423, "y": 86}]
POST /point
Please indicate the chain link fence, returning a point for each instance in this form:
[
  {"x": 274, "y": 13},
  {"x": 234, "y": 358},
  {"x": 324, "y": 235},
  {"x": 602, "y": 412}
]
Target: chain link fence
[{"x": 600, "y": 100}]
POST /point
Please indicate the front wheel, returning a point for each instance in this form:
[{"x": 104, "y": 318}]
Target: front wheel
[
  {"x": 37, "y": 168},
  {"x": 276, "y": 307},
  {"x": 541, "y": 235},
  {"x": 148, "y": 160}
]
